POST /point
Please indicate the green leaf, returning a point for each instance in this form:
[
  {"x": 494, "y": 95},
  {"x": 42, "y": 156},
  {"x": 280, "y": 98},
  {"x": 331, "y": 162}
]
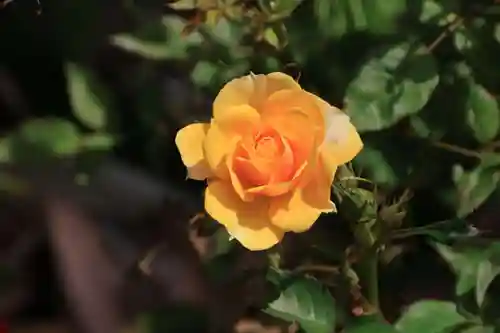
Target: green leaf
[
  {"x": 385, "y": 163},
  {"x": 279, "y": 8},
  {"x": 97, "y": 141},
  {"x": 219, "y": 243},
  {"x": 486, "y": 273},
  {"x": 4, "y": 150},
  {"x": 183, "y": 4},
  {"x": 148, "y": 49},
  {"x": 450, "y": 230},
  {"x": 440, "y": 12},
  {"x": 442, "y": 231},
  {"x": 473, "y": 187},
  {"x": 479, "y": 329},
  {"x": 497, "y": 32},
  {"x": 60, "y": 136},
  {"x": 464, "y": 263},
  {"x": 430, "y": 317},
  {"x": 475, "y": 268},
  {"x": 383, "y": 15},
  {"x": 307, "y": 302},
  {"x": 225, "y": 32},
  {"x": 43, "y": 138},
  {"x": 86, "y": 96},
  {"x": 370, "y": 324},
  {"x": 160, "y": 40},
  {"x": 483, "y": 114},
  {"x": 336, "y": 18},
  {"x": 276, "y": 36},
  {"x": 193, "y": 4},
  {"x": 214, "y": 75},
  {"x": 392, "y": 85},
  {"x": 204, "y": 72}
]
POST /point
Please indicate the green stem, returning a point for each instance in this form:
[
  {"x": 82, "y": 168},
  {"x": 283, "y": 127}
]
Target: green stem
[
  {"x": 367, "y": 266},
  {"x": 368, "y": 271}
]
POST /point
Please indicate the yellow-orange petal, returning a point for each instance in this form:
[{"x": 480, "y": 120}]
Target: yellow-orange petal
[
  {"x": 298, "y": 210},
  {"x": 236, "y": 182},
  {"x": 236, "y": 92},
  {"x": 341, "y": 137},
  {"x": 293, "y": 100},
  {"x": 189, "y": 141},
  {"x": 223, "y": 135},
  {"x": 343, "y": 148},
  {"x": 297, "y": 128},
  {"x": 266, "y": 85},
  {"x": 251, "y": 90},
  {"x": 277, "y": 81},
  {"x": 271, "y": 190},
  {"x": 248, "y": 222}
]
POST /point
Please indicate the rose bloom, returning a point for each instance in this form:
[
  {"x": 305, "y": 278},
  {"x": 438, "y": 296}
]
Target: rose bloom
[{"x": 269, "y": 155}]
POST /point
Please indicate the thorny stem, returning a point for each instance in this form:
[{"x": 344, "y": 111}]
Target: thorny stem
[
  {"x": 368, "y": 272},
  {"x": 367, "y": 266},
  {"x": 372, "y": 268}
]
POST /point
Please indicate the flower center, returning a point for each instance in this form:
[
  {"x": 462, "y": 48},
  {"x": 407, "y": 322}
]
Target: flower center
[
  {"x": 264, "y": 158},
  {"x": 266, "y": 147}
]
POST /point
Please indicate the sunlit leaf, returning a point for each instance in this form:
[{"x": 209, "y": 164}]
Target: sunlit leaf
[
  {"x": 440, "y": 12},
  {"x": 336, "y": 18},
  {"x": 370, "y": 324},
  {"x": 464, "y": 263},
  {"x": 392, "y": 85},
  {"x": 483, "y": 113},
  {"x": 486, "y": 273},
  {"x": 220, "y": 243},
  {"x": 307, "y": 302},
  {"x": 4, "y": 150},
  {"x": 430, "y": 317},
  {"x": 479, "y": 329},
  {"x": 203, "y": 73},
  {"x": 58, "y": 136},
  {"x": 279, "y": 8},
  {"x": 192, "y": 4},
  {"x": 276, "y": 36},
  {"x": 161, "y": 40},
  {"x": 97, "y": 141},
  {"x": 473, "y": 187},
  {"x": 88, "y": 98}
]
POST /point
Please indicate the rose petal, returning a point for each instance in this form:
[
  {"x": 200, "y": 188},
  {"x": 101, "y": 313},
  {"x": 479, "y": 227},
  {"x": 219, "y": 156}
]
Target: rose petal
[
  {"x": 223, "y": 135},
  {"x": 271, "y": 190},
  {"x": 236, "y": 92},
  {"x": 297, "y": 128},
  {"x": 236, "y": 182},
  {"x": 248, "y": 222},
  {"x": 297, "y": 211},
  {"x": 251, "y": 90},
  {"x": 189, "y": 141},
  {"x": 277, "y": 81},
  {"x": 292, "y": 100},
  {"x": 344, "y": 148}
]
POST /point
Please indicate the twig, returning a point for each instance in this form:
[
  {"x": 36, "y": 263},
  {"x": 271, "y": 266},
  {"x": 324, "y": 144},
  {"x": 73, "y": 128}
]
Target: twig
[
  {"x": 449, "y": 29},
  {"x": 317, "y": 268},
  {"x": 456, "y": 149}
]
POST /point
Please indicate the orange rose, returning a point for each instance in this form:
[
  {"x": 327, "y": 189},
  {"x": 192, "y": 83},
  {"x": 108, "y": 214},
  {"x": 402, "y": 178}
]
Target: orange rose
[{"x": 269, "y": 154}]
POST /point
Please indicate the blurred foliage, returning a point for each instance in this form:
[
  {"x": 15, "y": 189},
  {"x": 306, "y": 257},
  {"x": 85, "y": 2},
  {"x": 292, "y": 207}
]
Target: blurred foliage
[{"x": 419, "y": 79}]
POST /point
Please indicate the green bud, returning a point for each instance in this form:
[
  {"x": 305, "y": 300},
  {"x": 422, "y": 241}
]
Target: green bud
[{"x": 358, "y": 205}]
